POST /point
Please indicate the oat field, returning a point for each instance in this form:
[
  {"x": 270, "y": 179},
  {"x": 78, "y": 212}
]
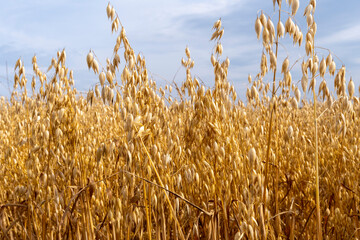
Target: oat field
[{"x": 133, "y": 160}]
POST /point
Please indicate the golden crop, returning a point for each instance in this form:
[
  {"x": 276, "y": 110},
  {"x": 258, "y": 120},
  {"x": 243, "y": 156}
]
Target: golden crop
[{"x": 132, "y": 160}]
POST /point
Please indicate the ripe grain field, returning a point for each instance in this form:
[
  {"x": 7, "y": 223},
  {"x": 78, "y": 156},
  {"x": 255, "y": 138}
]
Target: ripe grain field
[{"x": 132, "y": 160}]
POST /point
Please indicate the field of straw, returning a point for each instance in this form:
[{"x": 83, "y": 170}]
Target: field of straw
[{"x": 132, "y": 160}]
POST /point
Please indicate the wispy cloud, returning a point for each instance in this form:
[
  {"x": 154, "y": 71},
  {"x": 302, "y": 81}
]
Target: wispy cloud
[
  {"x": 205, "y": 8},
  {"x": 357, "y": 60},
  {"x": 349, "y": 34},
  {"x": 21, "y": 40},
  {"x": 170, "y": 19}
]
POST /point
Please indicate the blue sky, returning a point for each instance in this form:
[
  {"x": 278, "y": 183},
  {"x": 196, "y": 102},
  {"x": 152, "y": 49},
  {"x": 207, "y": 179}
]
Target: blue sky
[{"x": 161, "y": 30}]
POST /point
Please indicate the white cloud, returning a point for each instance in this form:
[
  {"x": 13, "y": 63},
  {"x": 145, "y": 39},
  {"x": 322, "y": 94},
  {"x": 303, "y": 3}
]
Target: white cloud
[
  {"x": 161, "y": 18},
  {"x": 21, "y": 40},
  {"x": 357, "y": 60},
  {"x": 205, "y": 8},
  {"x": 349, "y": 34}
]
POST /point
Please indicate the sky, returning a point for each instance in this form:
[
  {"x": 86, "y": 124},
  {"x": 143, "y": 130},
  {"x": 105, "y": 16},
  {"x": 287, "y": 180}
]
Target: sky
[{"x": 160, "y": 30}]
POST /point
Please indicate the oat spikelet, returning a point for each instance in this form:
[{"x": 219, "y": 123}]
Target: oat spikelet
[
  {"x": 308, "y": 10},
  {"x": 272, "y": 60},
  {"x": 18, "y": 64},
  {"x": 312, "y": 84},
  {"x": 240, "y": 235},
  {"x": 294, "y": 7},
  {"x": 89, "y": 59},
  {"x": 187, "y": 51},
  {"x": 314, "y": 27},
  {"x": 212, "y": 59},
  {"x": 288, "y": 26},
  {"x": 108, "y": 10},
  {"x": 95, "y": 66},
  {"x": 258, "y": 27},
  {"x": 252, "y": 156},
  {"x": 332, "y": 68},
  {"x": 322, "y": 69},
  {"x": 285, "y": 65},
  {"x": 217, "y": 24},
  {"x": 263, "y": 64},
  {"x": 322, "y": 86},
  {"x": 270, "y": 28},
  {"x": 254, "y": 93},
  {"x": 263, "y": 19},
  {"x": 294, "y": 103},
  {"x": 266, "y": 36},
  {"x": 329, "y": 59},
  {"x": 300, "y": 38},
  {"x": 308, "y": 48},
  {"x": 351, "y": 88},
  {"x": 297, "y": 94},
  {"x": 315, "y": 68},
  {"x": 309, "y": 20},
  {"x": 280, "y": 29},
  {"x": 219, "y": 49},
  {"x": 102, "y": 78},
  {"x": 313, "y": 3},
  {"x": 97, "y": 91},
  {"x": 33, "y": 60},
  {"x": 288, "y": 79},
  {"x": 109, "y": 77},
  {"x": 112, "y": 13},
  {"x": 304, "y": 82}
]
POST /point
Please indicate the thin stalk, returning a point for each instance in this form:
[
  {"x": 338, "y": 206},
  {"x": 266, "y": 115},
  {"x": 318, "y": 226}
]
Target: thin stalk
[
  {"x": 271, "y": 124},
  {"x": 89, "y": 222},
  {"x": 162, "y": 185},
  {"x": 271, "y": 118},
  {"x": 318, "y": 216},
  {"x": 277, "y": 218},
  {"x": 148, "y": 217}
]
